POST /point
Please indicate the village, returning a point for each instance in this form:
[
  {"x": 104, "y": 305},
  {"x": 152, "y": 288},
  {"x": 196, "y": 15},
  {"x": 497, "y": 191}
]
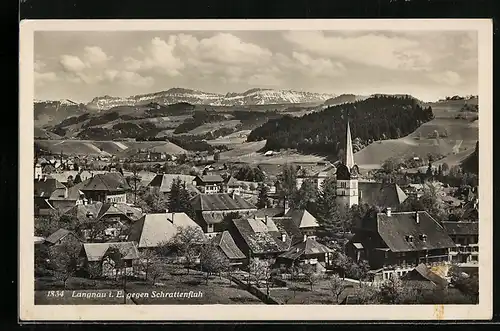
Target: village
[{"x": 324, "y": 233}]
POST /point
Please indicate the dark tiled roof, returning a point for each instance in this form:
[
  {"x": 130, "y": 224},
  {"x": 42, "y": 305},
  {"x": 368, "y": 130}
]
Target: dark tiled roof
[
  {"x": 308, "y": 247},
  {"x": 72, "y": 193},
  {"x": 81, "y": 211},
  {"x": 96, "y": 251},
  {"x": 111, "y": 182},
  {"x": 220, "y": 201},
  {"x": 394, "y": 230},
  {"x": 228, "y": 246},
  {"x": 212, "y": 218},
  {"x": 464, "y": 228},
  {"x": 56, "y": 236},
  {"x": 45, "y": 187},
  {"x": 380, "y": 194},
  {"x": 261, "y": 241},
  {"x": 288, "y": 226},
  {"x": 114, "y": 209},
  {"x": 271, "y": 212}
]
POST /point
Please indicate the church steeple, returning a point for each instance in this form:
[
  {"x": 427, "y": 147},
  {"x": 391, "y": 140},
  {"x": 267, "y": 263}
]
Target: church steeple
[{"x": 349, "y": 154}]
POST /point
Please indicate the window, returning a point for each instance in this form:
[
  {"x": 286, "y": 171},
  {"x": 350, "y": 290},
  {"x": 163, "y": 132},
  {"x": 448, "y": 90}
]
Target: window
[
  {"x": 423, "y": 237},
  {"x": 210, "y": 228}
]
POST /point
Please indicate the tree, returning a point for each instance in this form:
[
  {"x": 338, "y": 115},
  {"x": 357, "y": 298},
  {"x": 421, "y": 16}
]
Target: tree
[
  {"x": 262, "y": 197},
  {"x": 288, "y": 181},
  {"x": 328, "y": 213},
  {"x": 152, "y": 201},
  {"x": 336, "y": 286},
  {"x": 312, "y": 276},
  {"x": 261, "y": 271},
  {"x": 187, "y": 243},
  {"x": 63, "y": 259},
  {"x": 147, "y": 258},
  {"x": 70, "y": 182},
  {"x": 116, "y": 255},
  {"x": 173, "y": 197},
  {"x": 306, "y": 196},
  {"x": 390, "y": 290},
  {"x": 342, "y": 262},
  {"x": 212, "y": 260},
  {"x": 134, "y": 179}
]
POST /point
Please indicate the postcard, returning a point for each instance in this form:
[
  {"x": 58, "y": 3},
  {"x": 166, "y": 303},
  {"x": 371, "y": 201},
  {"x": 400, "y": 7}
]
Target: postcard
[{"x": 199, "y": 170}]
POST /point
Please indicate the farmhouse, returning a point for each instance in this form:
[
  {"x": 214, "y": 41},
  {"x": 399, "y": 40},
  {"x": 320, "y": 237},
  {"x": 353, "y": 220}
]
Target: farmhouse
[
  {"x": 108, "y": 187},
  {"x": 226, "y": 244},
  {"x": 164, "y": 182},
  {"x": 108, "y": 259},
  {"x": 209, "y": 184},
  {"x": 425, "y": 276},
  {"x": 211, "y": 210},
  {"x": 43, "y": 189},
  {"x": 465, "y": 235},
  {"x": 153, "y": 229},
  {"x": 65, "y": 198},
  {"x": 399, "y": 241},
  {"x": 61, "y": 236},
  {"x": 308, "y": 251}
]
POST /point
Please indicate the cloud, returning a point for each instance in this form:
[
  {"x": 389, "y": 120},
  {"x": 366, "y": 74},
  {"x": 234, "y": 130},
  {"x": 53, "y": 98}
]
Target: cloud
[
  {"x": 450, "y": 78},
  {"x": 158, "y": 57},
  {"x": 389, "y": 52},
  {"x": 95, "y": 55},
  {"x": 318, "y": 66},
  {"x": 128, "y": 77},
  {"x": 71, "y": 63},
  {"x": 41, "y": 78},
  {"x": 39, "y": 65}
]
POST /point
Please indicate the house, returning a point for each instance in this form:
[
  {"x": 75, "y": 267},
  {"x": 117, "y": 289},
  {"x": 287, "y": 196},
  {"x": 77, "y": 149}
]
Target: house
[
  {"x": 108, "y": 187},
  {"x": 226, "y": 244},
  {"x": 38, "y": 171},
  {"x": 43, "y": 189},
  {"x": 108, "y": 259},
  {"x": 153, "y": 229},
  {"x": 60, "y": 236},
  {"x": 423, "y": 275},
  {"x": 257, "y": 239},
  {"x": 308, "y": 251},
  {"x": 65, "y": 198},
  {"x": 164, "y": 181},
  {"x": 381, "y": 194},
  {"x": 302, "y": 219},
  {"x": 209, "y": 183},
  {"x": 211, "y": 209},
  {"x": 465, "y": 235},
  {"x": 399, "y": 241}
]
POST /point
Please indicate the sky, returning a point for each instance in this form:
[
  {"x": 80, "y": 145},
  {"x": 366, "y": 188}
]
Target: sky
[{"x": 426, "y": 64}]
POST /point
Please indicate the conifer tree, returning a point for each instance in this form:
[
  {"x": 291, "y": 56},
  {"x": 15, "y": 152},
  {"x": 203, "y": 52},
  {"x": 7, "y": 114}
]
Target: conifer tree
[{"x": 262, "y": 198}]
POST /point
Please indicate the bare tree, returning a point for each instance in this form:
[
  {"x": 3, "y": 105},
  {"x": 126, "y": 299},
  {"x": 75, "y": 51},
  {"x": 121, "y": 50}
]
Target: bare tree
[
  {"x": 212, "y": 260},
  {"x": 336, "y": 286},
  {"x": 64, "y": 259},
  {"x": 312, "y": 276},
  {"x": 261, "y": 271},
  {"x": 187, "y": 243}
]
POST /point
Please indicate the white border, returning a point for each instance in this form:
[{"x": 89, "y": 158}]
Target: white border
[{"x": 29, "y": 312}]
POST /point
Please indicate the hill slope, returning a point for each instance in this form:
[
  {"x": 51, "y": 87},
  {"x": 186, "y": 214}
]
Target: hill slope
[
  {"x": 323, "y": 132},
  {"x": 53, "y": 112}
]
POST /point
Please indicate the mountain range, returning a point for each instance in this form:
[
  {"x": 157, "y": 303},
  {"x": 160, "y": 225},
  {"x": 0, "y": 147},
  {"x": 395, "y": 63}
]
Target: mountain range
[{"x": 255, "y": 96}]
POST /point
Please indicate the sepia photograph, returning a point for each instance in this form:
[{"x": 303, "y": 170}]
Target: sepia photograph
[{"x": 316, "y": 167}]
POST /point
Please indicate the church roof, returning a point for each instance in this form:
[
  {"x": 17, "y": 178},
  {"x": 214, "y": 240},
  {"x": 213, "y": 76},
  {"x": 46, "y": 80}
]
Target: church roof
[{"x": 349, "y": 153}]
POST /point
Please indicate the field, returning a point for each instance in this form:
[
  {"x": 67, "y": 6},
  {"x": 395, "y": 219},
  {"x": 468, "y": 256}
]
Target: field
[
  {"x": 209, "y": 127},
  {"x": 106, "y": 148},
  {"x": 460, "y": 140}
]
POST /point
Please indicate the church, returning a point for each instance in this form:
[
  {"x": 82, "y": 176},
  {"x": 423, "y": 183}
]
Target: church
[{"x": 352, "y": 189}]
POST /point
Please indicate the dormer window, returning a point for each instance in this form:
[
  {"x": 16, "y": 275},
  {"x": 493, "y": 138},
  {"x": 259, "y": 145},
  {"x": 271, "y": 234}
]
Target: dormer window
[
  {"x": 409, "y": 238},
  {"x": 423, "y": 237}
]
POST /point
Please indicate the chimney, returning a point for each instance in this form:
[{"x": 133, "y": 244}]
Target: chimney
[
  {"x": 305, "y": 237},
  {"x": 283, "y": 237},
  {"x": 389, "y": 211},
  {"x": 417, "y": 218},
  {"x": 65, "y": 192},
  {"x": 266, "y": 219},
  {"x": 286, "y": 206}
]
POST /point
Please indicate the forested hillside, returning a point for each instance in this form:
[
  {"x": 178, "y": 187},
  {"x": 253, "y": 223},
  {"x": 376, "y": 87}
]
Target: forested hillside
[{"x": 378, "y": 117}]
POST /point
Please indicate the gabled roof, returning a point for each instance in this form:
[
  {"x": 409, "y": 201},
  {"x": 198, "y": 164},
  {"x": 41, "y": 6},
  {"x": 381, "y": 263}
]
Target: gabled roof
[
  {"x": 81, "y": 211},
  {"x": 232, "y": 182},
  {"x": 302, "y": 218},
  {"x": 63, "y": 176},
  {"x": 463, "y": 228},
  {"x": 110, "y": 182},
  {"x": 394, "y": 230},
  {"x": 262, "y": 241},
  {"x": 425, "y": 273},
  {"x": 228, "y": 246},
  {"x": 58, "y": 235},
  {"x": 270, "y": 212},
  {"x": 220, "y": 201},
  {"x": 72, "y": 193},
  {"x": 304, "y": 248},
  {"x": 210, "y": 179},
  {"x": 289, "y": 227},
  {"x": 381, "y": 194},
  {"x": 96, "y": 251},
  {"x": 119, "y": 209},
  {"x": 164, "y": 181},
  {"x": 152, "y": 229},
  {"x": 44, "y": 187}
]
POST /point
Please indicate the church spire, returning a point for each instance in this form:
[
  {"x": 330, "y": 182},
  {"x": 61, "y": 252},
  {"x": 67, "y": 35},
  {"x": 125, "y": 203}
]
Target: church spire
[{"x": 349, "y": 154}]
